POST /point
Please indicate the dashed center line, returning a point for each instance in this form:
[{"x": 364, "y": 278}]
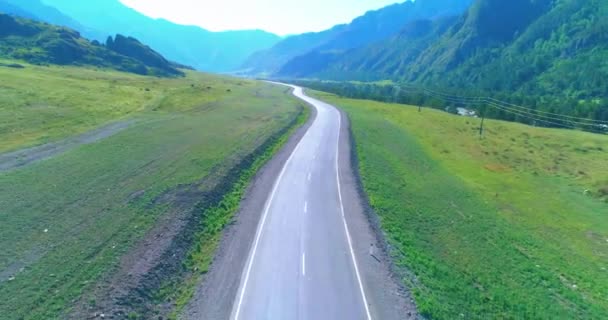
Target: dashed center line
[
  {"x": 304, "y": 264},
  {"x": 309, "y": 176},
  {"x": 305, "y": 206}
]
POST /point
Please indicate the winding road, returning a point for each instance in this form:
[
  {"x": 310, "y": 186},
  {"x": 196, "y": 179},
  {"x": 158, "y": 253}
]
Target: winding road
[{"x": 301, "y": 264}]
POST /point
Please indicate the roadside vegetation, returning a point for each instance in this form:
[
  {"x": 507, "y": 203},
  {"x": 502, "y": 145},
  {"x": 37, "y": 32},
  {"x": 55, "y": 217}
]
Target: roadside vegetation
[
  {"x": 510, "y": 226},
  {"x": 68, "y": 222}
]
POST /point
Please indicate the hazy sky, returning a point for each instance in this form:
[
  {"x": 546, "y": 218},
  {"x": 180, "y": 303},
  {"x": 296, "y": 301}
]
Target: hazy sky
[{"x": 279, "y": 16}]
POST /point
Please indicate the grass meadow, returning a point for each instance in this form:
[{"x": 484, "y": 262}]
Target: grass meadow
[
  {"x": 511, "y": 226},
  {"x": 66, "y": 221}
]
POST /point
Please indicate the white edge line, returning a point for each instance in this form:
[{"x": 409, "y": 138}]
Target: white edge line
[
  {"x": 263, "y": 222},
  {"x": 352, "y": 252}
]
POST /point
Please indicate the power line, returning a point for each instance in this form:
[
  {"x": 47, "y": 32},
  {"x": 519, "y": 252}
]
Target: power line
[
  {"x": 539, "y": 117},
  {"x": 533, "y": 114},
  {"x": 546, "y": 117},
  {"x": 511, "y": 111},
  {"x": 547, "y": 112}
]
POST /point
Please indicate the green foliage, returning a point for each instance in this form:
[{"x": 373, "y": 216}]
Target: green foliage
[
  {"x": 130, "y": 47},
  {"x": 512, "y": 226},
  {"x": 41, "y": 43}
]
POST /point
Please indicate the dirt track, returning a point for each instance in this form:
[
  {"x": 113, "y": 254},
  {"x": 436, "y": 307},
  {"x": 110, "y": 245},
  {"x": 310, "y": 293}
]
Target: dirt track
[{"x": 21, "y": 158}]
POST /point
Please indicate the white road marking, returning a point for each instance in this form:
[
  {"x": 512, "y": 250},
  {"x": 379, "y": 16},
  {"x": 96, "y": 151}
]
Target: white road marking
[
  {"x": 261, "y": 229},
  {"x": 309, "y": 176},
  {"x": 352, "y": 252},
  {"x": 305, "y": 206},
  {"x": 304, "y": 264},
  {"x": 266, "y": 210}
]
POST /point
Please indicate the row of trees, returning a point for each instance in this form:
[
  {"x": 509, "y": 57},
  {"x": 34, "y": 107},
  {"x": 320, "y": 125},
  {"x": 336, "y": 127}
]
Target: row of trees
[{"x": 589, "y": 115}]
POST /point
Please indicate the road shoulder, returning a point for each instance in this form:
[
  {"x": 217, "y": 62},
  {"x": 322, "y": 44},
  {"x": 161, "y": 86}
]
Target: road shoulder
[
  {"x": 215, "y": 294},
  {"x": 386, "y": 296}
]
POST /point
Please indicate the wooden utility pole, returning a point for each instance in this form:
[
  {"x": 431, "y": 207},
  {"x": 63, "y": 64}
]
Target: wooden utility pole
[{"x": 483, "y": 117}]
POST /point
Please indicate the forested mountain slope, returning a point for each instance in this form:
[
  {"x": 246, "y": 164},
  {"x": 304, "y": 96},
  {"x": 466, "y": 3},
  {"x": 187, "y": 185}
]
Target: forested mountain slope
[
  {"x": 297, "y": 51},
  {"x": 539, "y": 47}
]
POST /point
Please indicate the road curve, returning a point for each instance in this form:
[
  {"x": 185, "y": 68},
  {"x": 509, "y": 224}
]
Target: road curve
[{"x": 301, "y": 264}]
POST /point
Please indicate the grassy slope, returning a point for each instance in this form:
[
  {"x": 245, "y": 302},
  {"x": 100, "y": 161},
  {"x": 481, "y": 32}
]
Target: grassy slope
[
  {"x": 96, "y": 200},
  {"x": 68, "y": 100},
  {"x": 496, "y": 228}
]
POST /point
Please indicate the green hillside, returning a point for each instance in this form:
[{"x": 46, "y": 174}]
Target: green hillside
[
  {"x": 42, "y": 43},
  {"x": 511, "y": 226}
]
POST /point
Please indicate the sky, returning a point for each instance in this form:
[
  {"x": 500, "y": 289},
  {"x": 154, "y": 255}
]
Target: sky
[{"x": 282, "y": 17}]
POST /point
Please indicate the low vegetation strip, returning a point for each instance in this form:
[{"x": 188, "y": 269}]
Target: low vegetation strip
[
  {"x": 509, "y": 226},
  {"x": 69, "y": 221}
]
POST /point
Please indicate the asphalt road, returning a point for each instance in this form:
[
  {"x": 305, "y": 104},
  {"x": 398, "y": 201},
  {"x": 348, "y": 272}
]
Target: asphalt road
[{"x": 302, "y": 264}]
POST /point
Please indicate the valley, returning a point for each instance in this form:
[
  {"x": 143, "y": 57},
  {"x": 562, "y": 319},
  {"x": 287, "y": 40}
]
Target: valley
[{"x": 428, "y": 159}]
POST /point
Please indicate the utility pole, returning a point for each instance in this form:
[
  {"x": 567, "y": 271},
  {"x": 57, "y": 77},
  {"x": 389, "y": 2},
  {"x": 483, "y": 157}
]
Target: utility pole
[
  {"x": 483, "y": 117},
  {"x": 419, "y": 108}
]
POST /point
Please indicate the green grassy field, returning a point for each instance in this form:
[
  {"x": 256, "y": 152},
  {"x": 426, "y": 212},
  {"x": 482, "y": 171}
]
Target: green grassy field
[
  {"x": 42, "y": 104},
  {"x": 513, "y": 226},
  {"x": 65, "y": 222}
]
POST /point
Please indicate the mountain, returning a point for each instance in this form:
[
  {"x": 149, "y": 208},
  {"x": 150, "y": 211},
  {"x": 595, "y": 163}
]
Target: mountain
[
  {"x": 42, "y": 43},
  {"x": 191, "y": 45},
  {"x": 35, "y": 9},
  {"x": 532, "y": 47},
  {"x": 9, "y": 8},
  {"x": 371, "y": 27},
  {"x": 268, "y": 61}
]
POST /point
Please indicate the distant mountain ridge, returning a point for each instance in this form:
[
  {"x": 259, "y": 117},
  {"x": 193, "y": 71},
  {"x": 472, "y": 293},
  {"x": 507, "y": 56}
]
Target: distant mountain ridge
[
  {"x": 540, "y": 47},
  {"x": 37, "y": 10},
  {"x": 319, "y": 48},
  {"x": 42, "y": 43},
  {"x": 191, "y": 45}
]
